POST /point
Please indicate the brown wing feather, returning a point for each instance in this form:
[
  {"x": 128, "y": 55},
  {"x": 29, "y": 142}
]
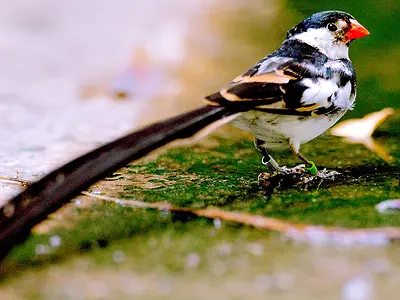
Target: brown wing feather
[
  {"x": 252, "y": 90},
  {"x": 272, "y": 77}
]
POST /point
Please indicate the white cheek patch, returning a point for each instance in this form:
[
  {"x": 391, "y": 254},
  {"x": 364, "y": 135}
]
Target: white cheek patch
[
  {"x": 318, "y": 91},
  {"x": 315, "y": 36},
  {"x": 323, "y": 40}
]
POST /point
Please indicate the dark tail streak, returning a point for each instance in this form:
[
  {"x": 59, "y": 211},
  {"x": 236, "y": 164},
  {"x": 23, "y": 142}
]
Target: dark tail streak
[{"x": 45, "y": 196}]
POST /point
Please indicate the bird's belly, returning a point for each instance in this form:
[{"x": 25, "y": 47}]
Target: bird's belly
[{"x": 276, "y": 131}]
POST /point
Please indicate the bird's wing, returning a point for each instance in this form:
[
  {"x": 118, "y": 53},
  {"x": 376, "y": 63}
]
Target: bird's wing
[
  {"x": 254, "y": 87},
  {"x": 301, "y": 88},
  {"x": 251, "y": 91}
]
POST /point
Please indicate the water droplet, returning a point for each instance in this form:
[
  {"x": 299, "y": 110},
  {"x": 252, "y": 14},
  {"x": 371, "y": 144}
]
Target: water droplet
[
  {"x": 55, "y": 241},
  {"x": 217, "y": 223}
]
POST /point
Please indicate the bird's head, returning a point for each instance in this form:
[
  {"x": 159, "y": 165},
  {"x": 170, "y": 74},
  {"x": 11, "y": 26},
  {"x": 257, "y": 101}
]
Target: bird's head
[{"x": 330, "y": 31}]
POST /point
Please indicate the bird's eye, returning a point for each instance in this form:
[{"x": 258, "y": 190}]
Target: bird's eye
[{"x": 332, "y": 27}]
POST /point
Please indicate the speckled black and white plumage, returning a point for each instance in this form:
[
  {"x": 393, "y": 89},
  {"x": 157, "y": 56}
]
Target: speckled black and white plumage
[{"x": 320, "y": 84}]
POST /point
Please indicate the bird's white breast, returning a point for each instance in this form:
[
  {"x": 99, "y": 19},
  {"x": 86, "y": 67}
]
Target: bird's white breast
[{"x": 277, "y": 130}]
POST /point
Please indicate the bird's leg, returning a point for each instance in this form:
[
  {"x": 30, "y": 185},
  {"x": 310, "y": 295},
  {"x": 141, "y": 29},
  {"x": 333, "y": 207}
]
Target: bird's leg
[
  {"x": 309, "y": 165},
  {"x": 264, "y": 178},
  {"x": 303, "y": 176},
  {"x": 267, "y": 159},
  {"x": 278, "y": 176},
  {"x": 312, "y": 169},
  {"x": 299, "y": 155}
]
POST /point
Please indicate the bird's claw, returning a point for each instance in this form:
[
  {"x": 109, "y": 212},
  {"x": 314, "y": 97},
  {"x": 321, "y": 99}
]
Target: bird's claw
[{"x": 297, "y": 177}]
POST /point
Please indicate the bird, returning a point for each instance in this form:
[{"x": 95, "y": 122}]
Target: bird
[
  {"x": 287, "y": 98},
  {"x": 300, "y": 90}
]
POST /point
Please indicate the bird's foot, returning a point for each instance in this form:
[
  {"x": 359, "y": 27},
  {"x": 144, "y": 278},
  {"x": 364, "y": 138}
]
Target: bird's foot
[
  {"x": 276, "y": 177},
  {"x": 298, "y": 177}
]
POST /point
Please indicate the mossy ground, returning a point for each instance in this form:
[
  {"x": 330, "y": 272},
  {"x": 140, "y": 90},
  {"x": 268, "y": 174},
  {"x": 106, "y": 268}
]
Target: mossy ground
[{"x": 222, "y": 172}]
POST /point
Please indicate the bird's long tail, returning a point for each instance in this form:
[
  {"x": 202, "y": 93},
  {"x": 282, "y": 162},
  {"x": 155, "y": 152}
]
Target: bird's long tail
[{"x": 20, "y": 214}]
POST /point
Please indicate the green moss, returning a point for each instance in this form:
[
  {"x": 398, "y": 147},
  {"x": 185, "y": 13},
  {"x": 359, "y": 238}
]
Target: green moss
[{"x": 225, "y": 176}]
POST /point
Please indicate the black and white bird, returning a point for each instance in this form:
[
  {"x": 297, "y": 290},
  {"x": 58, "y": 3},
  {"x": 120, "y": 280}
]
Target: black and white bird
[
  {"x": 301, "y": 89},
  {"x": 287, "y": 98}
]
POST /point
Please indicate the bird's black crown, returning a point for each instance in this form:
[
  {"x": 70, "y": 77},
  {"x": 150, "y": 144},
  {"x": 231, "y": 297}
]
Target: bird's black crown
[{"x": 320, "y": 20}]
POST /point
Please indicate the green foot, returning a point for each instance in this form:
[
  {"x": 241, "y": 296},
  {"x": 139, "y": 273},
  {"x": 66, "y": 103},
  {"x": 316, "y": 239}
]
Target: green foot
[{"x": 312, "y": 169}]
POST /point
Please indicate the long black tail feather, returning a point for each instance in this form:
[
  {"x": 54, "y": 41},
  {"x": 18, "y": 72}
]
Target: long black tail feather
[{"x": 45, "y": 196}]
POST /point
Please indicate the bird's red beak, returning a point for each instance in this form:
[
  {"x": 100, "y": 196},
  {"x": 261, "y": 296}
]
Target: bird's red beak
[{"x": 356, "y": 31}]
